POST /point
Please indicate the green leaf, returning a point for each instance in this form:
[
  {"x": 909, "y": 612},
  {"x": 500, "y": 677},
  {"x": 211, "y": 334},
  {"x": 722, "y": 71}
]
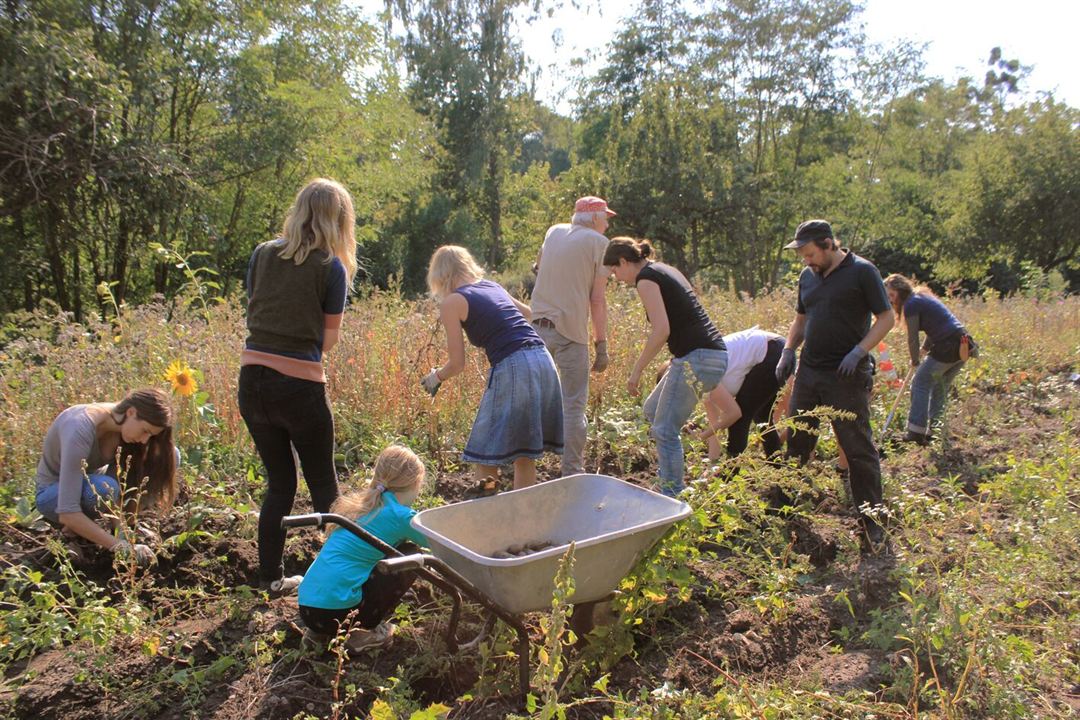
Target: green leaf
[
  {"x": 380, "y": 710},
  {"x": 436, "y": 711}
]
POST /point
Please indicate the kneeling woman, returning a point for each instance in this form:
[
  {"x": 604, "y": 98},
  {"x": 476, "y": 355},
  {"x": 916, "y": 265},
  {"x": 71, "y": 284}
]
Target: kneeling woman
[
  {"x": 520, "y": 415},
  {"x": 699, "y": 356},
  {"x": 138, "y": 429}
]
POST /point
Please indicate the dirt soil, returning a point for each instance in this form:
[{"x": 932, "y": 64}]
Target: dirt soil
[{"x": 190, "y": 670}]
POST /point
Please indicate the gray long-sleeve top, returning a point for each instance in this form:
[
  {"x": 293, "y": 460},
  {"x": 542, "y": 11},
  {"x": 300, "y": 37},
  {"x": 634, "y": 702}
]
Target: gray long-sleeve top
[{"x": 71, "y": 439}]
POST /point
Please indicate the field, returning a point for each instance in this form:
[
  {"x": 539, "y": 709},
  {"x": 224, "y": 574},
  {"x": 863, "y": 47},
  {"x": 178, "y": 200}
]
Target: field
[{"x": 742, "y": 611}]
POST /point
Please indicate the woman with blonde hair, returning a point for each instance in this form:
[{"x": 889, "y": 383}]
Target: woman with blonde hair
[
  {"x": 339, "y": 588},
  {"x": 948, "y": 345},
  {"x": 296, "y": 287},
  {"x": 520, "y": 415}
]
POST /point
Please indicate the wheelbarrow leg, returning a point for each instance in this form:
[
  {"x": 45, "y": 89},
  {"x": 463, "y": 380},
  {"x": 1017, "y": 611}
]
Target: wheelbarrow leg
[{"x": 523, "y": 658}]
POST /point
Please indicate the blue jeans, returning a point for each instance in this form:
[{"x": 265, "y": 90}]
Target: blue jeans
[
  {"x": 98, "y": 492},
  {"x": 929, "y": 392},
  {"x": 670, "y": 404}
]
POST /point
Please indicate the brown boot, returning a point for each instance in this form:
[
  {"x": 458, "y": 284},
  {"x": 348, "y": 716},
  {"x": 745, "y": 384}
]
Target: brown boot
[{"x": 918, "y": 438}]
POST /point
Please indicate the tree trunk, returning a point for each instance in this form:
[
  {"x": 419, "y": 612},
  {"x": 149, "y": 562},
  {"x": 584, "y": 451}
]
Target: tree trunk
[
  {"x": 120, "y": 258},
  {"x": 54, "y": 255}
]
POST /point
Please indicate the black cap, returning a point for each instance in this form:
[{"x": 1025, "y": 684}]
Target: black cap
[{"x": 808, "y": 232}]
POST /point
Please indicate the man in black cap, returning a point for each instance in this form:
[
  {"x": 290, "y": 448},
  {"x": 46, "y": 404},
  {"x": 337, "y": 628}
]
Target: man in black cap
[{"x": 838, "y": 293}]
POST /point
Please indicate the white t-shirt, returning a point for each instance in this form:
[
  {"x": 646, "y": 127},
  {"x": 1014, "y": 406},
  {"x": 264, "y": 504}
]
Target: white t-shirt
[{"x": 745, "y": 349}]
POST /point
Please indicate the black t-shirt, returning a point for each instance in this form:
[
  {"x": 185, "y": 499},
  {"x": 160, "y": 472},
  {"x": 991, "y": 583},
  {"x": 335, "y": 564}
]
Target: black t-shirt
[
  {"x": 690, "y": 327},
  {"x": 838, "y": 309}
]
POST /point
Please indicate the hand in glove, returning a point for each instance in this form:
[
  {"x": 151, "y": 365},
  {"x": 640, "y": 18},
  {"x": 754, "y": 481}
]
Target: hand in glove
[
  {"x": 786, "y": 367},
  {"x": 602, "y": 360},
  {"x": 431, "y": 382},
  {"x": 851, "y": 361},
  {"x": 125, "y": 552}
]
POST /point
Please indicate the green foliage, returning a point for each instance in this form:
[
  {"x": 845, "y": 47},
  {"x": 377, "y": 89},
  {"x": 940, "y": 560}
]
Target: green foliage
[{"x": 42, "y": 613}]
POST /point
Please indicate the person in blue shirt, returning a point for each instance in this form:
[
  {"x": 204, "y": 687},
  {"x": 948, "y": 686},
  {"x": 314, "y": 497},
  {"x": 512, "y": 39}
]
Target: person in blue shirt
[
  {"x": 948, "y": 346},
  {"x": 339, "y": 592}
]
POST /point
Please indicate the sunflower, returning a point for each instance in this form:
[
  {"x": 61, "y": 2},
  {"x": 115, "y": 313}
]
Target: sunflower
[{"x": 182, "y": 378}]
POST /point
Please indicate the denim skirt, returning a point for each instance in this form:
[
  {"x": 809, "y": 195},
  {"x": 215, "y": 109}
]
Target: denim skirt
[{"x": 520, "y": 414}]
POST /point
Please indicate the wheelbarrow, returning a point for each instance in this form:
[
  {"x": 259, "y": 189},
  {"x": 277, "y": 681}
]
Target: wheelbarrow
[{"x": 612, "y": 523}]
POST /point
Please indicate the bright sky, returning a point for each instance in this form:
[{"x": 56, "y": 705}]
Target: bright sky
[{"x": 960, "y": 33}]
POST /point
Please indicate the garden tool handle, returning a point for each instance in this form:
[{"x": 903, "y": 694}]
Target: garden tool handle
[{"x": 896, "y": 402}]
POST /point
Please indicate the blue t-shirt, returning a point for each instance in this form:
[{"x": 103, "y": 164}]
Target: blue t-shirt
[
  {"x": 934, "y": 318},
  {"x": 494, "y": 322},
  {"x": 335, "y": 579}
]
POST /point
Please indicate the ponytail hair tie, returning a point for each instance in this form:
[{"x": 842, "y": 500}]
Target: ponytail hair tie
[{"x": 378, "y": 488}]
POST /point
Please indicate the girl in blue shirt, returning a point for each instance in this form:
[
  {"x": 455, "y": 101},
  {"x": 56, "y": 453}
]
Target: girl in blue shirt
[
  {"x": 339, "y": 590},
  {"x": 948, "y": 345}
]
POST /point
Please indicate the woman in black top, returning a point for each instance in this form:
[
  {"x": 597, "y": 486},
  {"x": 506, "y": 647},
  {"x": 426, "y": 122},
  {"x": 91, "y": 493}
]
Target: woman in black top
[{"x": 699, "y": 356}]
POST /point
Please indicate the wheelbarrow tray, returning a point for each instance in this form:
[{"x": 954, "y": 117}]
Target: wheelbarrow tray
[{"x": 613, "y": 523}]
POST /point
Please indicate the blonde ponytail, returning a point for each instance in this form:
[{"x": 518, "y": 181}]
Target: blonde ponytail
[{"x": 396, "y": 469}]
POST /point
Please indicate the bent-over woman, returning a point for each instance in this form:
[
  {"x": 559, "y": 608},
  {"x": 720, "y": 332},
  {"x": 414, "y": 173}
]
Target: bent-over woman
[
  {"x": 948, "y": 345},
  {"x": 138, "y": 430},
  {"x": 746, "y": 394},
  {"x": 699, "y": 356},
  {"x": 520, "y": 415}
]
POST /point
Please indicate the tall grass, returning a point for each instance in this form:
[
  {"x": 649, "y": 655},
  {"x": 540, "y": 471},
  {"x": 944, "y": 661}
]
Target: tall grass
[{"x": 388, "y": 343}]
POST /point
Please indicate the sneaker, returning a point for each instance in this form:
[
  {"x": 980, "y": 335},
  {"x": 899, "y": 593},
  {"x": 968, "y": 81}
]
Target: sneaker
[
  {"x": 283, "y": 586},
  {"x": 361, "y": 639},
  {"x": 873, "y": 538}
]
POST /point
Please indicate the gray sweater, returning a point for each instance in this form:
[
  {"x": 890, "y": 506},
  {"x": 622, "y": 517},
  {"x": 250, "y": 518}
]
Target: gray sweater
[{"x": 71, "y": 439}]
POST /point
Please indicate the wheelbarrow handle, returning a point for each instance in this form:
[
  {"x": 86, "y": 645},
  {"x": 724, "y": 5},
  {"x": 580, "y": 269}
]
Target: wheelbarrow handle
[
  {"x": 309, "y": 520},
  {"x": 392, "y": 565}
]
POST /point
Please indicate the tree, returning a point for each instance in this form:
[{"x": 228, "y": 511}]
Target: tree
[
  {"x": 1017, "y": 196},
  {"x": 465, "y": 67}
]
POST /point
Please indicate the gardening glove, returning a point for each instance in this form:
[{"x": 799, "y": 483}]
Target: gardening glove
[
  {"x": 602, "y": 360},
  {"x": 851, "y": 361},
  {"x": 786, "y": 367},
  {"x": 126, "y": 552},
  {"x": 431, "y": 382}
]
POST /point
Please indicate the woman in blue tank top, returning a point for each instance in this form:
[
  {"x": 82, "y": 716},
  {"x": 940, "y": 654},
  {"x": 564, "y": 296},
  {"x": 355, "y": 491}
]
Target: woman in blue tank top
[
  {"x": 520, "y": 415},
  {"x": 948, "y": 345}
]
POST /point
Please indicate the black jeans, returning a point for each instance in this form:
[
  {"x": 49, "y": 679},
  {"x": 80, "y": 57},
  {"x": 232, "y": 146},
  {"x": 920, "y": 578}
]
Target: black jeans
[
  {"x": 381, "y": 594},
  {"x": 755, "y": 399},
  {"x": 288, "y": 418},
  {"x": 814, "y": 388}
]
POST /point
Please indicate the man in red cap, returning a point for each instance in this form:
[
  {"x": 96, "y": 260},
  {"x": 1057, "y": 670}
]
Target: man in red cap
[{"x": 570, "y": 283}]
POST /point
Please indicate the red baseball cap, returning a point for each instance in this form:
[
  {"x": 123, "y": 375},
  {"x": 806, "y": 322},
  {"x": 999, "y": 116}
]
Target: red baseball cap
[{"x": 590, "y": 203}]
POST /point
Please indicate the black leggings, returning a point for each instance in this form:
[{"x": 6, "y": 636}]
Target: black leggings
[
  {"x": 289, "y": 419},
  {"x": 381, "y": 594},
  {"x": 755, "y": 399}
]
